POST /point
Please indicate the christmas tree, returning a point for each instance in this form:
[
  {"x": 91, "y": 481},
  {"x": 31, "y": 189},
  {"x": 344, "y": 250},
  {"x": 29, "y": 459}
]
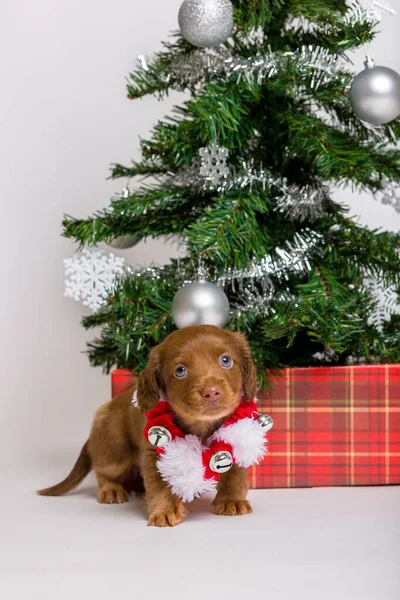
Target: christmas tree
[{"x": 243, "y": 173}]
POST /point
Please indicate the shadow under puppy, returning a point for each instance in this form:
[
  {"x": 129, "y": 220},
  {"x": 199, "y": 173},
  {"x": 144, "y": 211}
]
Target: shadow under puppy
[{"x": 203, "y": 371}]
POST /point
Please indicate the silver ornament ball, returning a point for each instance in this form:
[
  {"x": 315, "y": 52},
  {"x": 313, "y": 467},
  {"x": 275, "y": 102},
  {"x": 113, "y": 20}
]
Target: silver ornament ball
[
  {"x": 123, "y": 242},
  {"x": 200, "y": 303},
  {"x": 221, "y": 462},
  {"x": 206, "y": 23},
  {"x": 375, "y": 95}
]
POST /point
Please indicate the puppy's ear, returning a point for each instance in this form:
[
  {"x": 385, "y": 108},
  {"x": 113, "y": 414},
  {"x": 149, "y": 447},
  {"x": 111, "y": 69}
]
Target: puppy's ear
[
  {"x": 249, "y": 373},
  {"x": 149, "y": 382}
]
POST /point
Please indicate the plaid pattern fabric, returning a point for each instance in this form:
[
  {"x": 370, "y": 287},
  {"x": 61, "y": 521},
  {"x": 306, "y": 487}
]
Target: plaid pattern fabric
[
  {"x": 121, "y": 380},
  {"x": 333, "y": 426}
]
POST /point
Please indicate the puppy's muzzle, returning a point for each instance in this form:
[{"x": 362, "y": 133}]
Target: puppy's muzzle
[{"x": 212, "y": 393}]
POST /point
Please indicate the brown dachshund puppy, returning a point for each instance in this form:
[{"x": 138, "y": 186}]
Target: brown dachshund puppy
[{"x": 202, "y": 371}]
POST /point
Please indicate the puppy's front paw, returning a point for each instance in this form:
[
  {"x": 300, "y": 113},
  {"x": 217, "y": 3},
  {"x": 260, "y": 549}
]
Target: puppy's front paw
[
  {"x": 231, "y": 508},
  {"x": 167, "y": 517}
]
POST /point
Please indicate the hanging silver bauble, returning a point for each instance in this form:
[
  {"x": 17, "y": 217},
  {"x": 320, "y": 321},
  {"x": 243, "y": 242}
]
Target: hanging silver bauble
[
  {"x": 206, "y": 23},
  {"x": 200, "y": 303},
  {"x": 123, "y": 242},
  {"x": 375, "y": 94}
]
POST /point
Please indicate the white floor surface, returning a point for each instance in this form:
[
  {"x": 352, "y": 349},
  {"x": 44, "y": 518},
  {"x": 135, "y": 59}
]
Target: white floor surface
[{"x": 321, "y": 544}]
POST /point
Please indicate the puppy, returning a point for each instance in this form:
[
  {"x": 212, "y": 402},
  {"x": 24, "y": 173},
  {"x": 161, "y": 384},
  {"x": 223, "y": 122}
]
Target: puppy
[{"x": 202, "y": 370}]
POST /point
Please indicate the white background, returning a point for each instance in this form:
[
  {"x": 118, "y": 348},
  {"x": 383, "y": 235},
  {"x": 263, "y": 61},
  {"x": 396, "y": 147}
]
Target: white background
[{"x": 64, "y": 118}]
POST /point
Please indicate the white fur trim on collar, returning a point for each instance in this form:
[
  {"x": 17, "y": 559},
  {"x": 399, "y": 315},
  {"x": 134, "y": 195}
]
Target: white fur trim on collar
[
  {"x": 247, "y": 439},
  {"x": 181, "y": 466}
]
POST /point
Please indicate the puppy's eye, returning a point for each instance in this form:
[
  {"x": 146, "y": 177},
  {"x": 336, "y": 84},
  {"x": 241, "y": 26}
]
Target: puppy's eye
[
  {"x": 180, "y": 372},
  {"x": 225, "y": 361}
]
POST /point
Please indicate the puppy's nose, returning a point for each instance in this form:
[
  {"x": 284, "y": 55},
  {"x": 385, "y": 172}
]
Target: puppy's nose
[{"x": 211, "y": 392}]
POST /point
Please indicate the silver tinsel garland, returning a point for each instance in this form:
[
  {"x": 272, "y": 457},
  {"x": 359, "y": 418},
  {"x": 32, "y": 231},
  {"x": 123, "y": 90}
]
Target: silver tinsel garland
[
  {"x": 252, "y": 302},
  {"x": 356, "y": 13},
  {"x": 201, "y": 66},
  {"x": 301, "y": 203},
  {"x": 198, "y": 67},
  {"x": 254, "y": 285},
  {"x": 294, "y": 258}
]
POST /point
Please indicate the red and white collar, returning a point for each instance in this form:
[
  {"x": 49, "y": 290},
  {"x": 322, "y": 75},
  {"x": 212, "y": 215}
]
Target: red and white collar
[{"x": 192, "y": 468}]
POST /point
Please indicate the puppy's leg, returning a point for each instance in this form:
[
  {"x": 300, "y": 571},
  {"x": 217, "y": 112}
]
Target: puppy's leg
[
  {"x": 112, "y": 457},
  {"x": 232, "y": 493},
  {"x": 164, "y": 508},
  {"x": 114, "y": 448},
  {"x": 110, "y": 490}
]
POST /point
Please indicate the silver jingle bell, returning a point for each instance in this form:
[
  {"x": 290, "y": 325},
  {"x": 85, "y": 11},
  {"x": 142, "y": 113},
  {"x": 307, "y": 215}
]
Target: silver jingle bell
[
  {"x": 221, "y": 462},
  {"x": 159, "y": 436},
  {"x": 266, "y": 422}
]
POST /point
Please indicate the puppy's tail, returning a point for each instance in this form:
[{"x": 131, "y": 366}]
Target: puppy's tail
[{"x": 79, "y": 471}]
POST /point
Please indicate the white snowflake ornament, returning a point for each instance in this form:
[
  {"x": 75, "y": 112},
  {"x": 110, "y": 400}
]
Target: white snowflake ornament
[
  {"x": 89, "y": 276},
  {"x": 389, "y": 194},
  {"x": 213, "y": 165},
  {"x": 386, "y": 302},
  {"x": 377, "y": 8}
]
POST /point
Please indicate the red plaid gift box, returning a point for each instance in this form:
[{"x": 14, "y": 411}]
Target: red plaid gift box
[
  {"x": 121, "y": 380},
  {"x": 333, "y": 426}
]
